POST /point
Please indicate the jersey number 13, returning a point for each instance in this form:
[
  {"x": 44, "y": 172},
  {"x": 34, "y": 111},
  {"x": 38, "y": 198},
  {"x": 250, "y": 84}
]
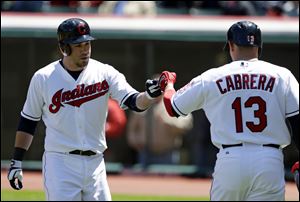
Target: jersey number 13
[{"x": 260, "y": 113}]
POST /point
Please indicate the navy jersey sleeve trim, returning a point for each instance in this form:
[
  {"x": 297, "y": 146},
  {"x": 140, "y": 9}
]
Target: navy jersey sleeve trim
[
  {"x": 126, "y": 97},
  {"x": 177, "y": 110},
  {"x": 30, "y": 117},
  {"x": 292, "y": 113},
  {"x": 175, "y": 113},
  {"x": 130, "y": 102}
]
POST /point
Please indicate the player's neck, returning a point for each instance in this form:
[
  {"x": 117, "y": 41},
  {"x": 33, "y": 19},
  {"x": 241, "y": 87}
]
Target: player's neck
[
  {"x": 70, "y": 65},
  {"x": 245, "y": 57}
]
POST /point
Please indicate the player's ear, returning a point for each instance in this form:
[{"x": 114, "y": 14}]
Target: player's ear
[
  {"x": 231, "y": 45},
  {"x": 65, "y": 49},
  {"x": 61, "y": 50}
]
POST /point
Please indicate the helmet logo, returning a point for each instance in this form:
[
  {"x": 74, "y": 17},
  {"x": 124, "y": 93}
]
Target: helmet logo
[
  {"x": 250, "y": 39},
  {"x": 81, "y": 28}
]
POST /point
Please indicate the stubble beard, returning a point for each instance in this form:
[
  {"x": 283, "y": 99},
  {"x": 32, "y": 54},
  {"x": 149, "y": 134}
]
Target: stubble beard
[{"x": 82, "y": 64}]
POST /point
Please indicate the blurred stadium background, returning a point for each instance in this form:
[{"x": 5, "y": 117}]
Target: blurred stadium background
[{"x": 139, "y": 41}]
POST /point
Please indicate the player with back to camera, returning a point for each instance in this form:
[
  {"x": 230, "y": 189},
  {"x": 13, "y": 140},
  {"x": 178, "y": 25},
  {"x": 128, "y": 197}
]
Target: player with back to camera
[
  {"x": 252, "y": 106},
  {"x": 71, "y": 96}
]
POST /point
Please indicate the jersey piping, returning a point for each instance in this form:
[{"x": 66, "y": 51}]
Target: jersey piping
[
  {"x": 30, "y": 117},
  {"x": 292, "y": 113},
  {"x": 177, "y": 109},
  {"x": 125, "y": 98}
]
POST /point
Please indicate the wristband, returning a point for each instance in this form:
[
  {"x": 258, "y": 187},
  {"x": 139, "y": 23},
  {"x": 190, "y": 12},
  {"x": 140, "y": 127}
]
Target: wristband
[{"x": 19, "y": 153}]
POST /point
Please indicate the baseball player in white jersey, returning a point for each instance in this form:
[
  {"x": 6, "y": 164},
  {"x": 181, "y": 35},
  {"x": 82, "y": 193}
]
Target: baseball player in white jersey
[
  {"x": 71, "y": 96},
  {"x": 247, "y": 102}
]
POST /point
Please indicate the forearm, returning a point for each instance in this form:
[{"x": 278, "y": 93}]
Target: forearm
[
  {"x": 170, "y": 86},
  {"x": 168, "y": 94},
  {"x": 23, "y": 140},
  {"x": 143, "y": 102}
]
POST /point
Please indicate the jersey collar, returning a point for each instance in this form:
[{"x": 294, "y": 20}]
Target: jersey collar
[{"x": 253, "y": 60}]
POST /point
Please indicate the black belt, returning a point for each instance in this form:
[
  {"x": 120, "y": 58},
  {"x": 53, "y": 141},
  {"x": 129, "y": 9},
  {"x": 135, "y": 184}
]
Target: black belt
[
  {"x": 83, "y": 153},
  {"x": 239, "y": 145}
]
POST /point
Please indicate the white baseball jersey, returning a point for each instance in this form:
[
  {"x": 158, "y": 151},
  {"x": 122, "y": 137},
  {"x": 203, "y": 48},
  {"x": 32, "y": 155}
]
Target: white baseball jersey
[
  {"x": 74, "y": 112},
  {"x": 245, "y": 101}
]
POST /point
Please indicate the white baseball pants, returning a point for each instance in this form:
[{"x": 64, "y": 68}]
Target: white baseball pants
[
  {"x": 248, "y": 173},
  {"x": 70, "y": 177}
]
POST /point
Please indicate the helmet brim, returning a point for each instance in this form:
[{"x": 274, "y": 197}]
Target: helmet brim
[{"x": 80, "y": 39}]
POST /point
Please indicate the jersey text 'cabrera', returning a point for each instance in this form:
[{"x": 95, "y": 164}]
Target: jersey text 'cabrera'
[{"x": 246, "y": 81}]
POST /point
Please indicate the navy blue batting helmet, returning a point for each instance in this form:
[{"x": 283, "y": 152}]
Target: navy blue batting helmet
[
  {"x": 73, "y": 31},
  {"x": 244, "y": 33}
]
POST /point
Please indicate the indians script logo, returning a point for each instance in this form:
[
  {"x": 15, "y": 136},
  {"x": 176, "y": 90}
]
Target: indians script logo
[{"x": 78, "y": 96}]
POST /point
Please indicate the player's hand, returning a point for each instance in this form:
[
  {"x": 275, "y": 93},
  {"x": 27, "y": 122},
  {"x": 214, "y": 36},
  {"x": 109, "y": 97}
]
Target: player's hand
[
  {"x": 295, "y": 171},
  {"x": 165, "y": 78},
  {"x": 15, "y": 174},
  {"x": 152, "y": 89}
]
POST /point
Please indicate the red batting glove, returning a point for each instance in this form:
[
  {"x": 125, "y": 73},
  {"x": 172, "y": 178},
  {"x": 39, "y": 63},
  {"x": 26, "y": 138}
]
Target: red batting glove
[{"x": 165, "y": 78}]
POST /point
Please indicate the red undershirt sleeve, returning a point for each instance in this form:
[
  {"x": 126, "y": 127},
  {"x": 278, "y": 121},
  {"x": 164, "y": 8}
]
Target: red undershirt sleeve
[{"x": 167, "y": 101}]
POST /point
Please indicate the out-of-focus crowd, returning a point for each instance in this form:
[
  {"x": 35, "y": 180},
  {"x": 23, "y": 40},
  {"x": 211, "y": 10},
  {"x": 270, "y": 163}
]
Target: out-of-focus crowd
[{"x": 152, "y": 8}]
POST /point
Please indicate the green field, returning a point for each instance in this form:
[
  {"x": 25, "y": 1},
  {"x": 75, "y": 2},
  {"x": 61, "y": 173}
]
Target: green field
[{"x": 10, "y": 195}]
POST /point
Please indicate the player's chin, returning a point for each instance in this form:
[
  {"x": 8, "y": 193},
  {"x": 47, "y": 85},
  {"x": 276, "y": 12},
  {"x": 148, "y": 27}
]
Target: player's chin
[{"x": 84, "y": 61}]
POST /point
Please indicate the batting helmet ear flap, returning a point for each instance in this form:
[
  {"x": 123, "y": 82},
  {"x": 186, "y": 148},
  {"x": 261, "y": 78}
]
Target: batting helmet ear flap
[{"x": 65, "y": 48}]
